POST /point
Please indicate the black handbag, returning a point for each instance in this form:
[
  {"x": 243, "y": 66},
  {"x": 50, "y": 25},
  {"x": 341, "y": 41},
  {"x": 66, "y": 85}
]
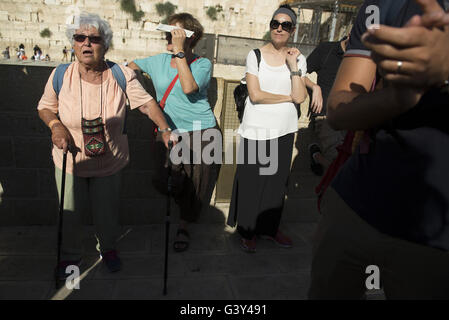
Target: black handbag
[{"x": 241, "y": 91}]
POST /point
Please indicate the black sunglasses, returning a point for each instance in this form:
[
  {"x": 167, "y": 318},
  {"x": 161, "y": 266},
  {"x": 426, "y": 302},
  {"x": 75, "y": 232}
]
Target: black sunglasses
[
  {"x": 286, "y": 25},
  {"x": 82, "y": 38}
]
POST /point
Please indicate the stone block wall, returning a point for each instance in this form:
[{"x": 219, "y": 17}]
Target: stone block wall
[{"x": 22, "y": 21}]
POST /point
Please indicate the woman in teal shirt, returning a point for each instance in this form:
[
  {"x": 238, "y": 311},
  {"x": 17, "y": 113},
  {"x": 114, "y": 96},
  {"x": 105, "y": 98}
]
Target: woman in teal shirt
[{"x": 186, "y": 109}]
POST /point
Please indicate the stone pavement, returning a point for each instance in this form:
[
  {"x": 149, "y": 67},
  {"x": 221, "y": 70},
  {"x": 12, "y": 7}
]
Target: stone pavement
[{"x": 214, "y": 267}]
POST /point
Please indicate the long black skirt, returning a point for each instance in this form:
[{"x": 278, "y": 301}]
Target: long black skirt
[{"x": 258, "y": 195}]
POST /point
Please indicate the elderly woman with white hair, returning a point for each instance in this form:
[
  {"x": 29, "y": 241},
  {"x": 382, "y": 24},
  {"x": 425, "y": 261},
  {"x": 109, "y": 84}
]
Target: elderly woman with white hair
[{"x": 84, "y": 105}]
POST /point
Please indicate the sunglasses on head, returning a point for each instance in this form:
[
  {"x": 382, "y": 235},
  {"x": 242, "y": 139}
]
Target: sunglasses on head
[
  {"x": 82, "y": 38},
  {"x": 286, "y": 25}
]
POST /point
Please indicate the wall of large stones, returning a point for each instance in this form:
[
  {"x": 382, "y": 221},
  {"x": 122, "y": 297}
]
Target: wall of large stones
[{"x": 21, "y": 21}]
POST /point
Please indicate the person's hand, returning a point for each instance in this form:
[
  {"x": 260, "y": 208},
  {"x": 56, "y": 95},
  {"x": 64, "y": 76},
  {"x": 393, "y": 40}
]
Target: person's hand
[
  {"x": 178, "y": 40},
  {"x": 317, "y": 99},
  {"x": 423, "y": 52},
  {"x": 433, "y": 15},
  {"x": 61, "y": 137},
  {"x": 169, "y": 136},
  {"x": 292, "y": 58}
]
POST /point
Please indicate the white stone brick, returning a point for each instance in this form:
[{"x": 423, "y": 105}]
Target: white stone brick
[{"x": 52, "y": 2}]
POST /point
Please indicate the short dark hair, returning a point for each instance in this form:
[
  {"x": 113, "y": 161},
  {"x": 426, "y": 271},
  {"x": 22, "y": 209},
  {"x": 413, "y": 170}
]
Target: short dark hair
[{"x": 189, "y": 23}]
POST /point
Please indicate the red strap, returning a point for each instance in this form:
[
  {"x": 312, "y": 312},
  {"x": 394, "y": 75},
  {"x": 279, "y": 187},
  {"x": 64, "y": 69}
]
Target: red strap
[
  {"x": 170, "y": 87},
  {"x": 344, "y": 152}
]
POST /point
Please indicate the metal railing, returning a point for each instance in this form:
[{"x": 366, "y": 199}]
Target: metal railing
[{"x": 233, "y": 50}]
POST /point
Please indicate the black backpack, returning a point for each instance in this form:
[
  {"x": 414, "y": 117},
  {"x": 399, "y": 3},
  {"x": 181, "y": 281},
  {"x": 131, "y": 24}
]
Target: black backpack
[{"x": 241, "y": 91}]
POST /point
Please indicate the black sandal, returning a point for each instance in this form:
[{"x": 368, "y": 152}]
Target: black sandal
[{"x": 181, "y": 245}]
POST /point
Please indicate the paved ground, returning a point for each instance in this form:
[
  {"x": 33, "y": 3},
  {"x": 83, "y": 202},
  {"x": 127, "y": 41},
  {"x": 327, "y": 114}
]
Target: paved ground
[{"x": 213, "y": 268}]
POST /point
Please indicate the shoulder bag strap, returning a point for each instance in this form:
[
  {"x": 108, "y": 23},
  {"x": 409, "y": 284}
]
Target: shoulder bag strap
[{"x": 170, "y": 87}]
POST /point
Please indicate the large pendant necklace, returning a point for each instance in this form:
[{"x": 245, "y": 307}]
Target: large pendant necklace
[{"x": 93, "y": 130}]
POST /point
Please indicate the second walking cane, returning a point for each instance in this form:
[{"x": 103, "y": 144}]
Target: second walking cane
[
  {"x": 167, "y": 217},
  {"x": 60, "y": 219}
]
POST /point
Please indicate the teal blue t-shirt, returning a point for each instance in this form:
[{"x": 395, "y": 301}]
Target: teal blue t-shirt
[{"x": 181, "y": 110}]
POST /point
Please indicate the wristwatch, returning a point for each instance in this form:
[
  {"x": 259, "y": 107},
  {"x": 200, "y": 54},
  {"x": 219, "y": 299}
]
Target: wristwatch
[
  {"x": 296, "y": 73},
  {"x": 164, "y": 130},
  {"x": 180, "y": 55}
]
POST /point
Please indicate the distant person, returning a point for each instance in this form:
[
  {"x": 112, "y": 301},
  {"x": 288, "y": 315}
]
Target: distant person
[
  {"x": 325, "y": 61},
  {"x": 21, "y": 46},
  {"x": 22, "y": 55},
  {"x": 64, "y": 55},
  {"x": 72, "y": 54},
  {"x": 47, "y": 57},
  {"x": 268, "y": 127},
  {"x": 37, "y": 55},
  {"x": 36, "y": 49},
  {"x": 6, "y": 53},
  {"x": 125, "y": 63}
]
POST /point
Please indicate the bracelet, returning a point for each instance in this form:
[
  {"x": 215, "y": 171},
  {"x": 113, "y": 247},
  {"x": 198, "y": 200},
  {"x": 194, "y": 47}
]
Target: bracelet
[
  {"x": 164, "y": 130},
  {"x": 53, "y": 122},
  {"x": 296, "y": 73}
]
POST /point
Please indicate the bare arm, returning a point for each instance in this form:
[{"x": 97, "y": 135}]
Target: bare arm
[
  {"x": 317, "y": 95},
  {"x": 299, "y": 91},
  {"x": 137, "y": 71},
  {"x": 351, "y": 105},
  {"x": 152, "y": 110},
  {"x": 60, "y": 136},
  {"x": 309, "y": 83},
  {"x": 186, "y": 78},
  {"x": 258, "y": 96}
]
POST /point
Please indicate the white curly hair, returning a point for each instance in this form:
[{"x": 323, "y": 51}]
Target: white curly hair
[{"x": 86, "y": 20}]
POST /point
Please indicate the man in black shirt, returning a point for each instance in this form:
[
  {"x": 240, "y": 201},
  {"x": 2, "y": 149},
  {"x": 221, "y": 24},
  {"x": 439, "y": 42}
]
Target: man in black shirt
[
  {"x": 388, "y": 208},
  {"x": 325, "y": 61}
]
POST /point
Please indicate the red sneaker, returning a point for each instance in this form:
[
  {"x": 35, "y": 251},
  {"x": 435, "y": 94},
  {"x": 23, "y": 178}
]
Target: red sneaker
[
  {"x": 248, "y": 245},
  {"x": 280, "y": 239}
]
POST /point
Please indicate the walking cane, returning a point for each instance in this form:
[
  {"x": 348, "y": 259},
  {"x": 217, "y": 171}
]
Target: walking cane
[
  {"x": 167, "y": 217},
  {"x": 60, "y": 219}
]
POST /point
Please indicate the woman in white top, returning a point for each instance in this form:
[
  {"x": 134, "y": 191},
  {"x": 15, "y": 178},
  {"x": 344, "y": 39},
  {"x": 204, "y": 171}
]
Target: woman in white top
[{"x": 267, "y": 133}]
